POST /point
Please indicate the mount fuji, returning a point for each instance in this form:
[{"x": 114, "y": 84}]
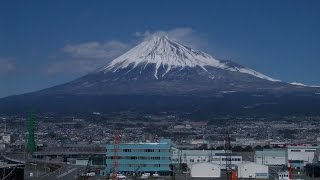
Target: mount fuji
[{"x": 162, "y": 74}]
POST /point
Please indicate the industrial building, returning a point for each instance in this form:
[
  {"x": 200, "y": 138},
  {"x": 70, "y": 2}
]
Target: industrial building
[
  {"x": 191, "y": 157},
  {"x": 140, "y": 158},
  {"x": 272, "y": 157},
  {"x": 301, "y": 155},
  {"x": 253, "y": 170},
  {"x": 205, "y": 170}
]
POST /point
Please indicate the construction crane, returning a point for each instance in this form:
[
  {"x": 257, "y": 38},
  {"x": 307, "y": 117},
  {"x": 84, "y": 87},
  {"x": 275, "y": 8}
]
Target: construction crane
[
  {"x": 231, "y": 174},
  {"x": 115, "y": 155}
]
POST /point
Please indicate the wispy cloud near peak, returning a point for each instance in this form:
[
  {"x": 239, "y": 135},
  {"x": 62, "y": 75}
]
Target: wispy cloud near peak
[
  {"x": 186, "y": 35},
  {"x": 7, "y": 65},
  {"x": 88, "y": 56}
]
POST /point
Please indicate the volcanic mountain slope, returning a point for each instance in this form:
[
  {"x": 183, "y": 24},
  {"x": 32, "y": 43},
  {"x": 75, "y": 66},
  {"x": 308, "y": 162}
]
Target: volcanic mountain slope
[
  {"x": 162, "y": 74},
  {"x": 162, "y": 66}
]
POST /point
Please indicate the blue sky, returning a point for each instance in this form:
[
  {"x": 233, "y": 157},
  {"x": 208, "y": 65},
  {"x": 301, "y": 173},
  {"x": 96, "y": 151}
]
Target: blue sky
[{"x": 45, "y": 43}]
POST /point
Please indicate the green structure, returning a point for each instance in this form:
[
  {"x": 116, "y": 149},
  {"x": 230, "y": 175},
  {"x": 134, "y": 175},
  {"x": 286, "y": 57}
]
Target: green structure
[{"x": 31, "y": 146}]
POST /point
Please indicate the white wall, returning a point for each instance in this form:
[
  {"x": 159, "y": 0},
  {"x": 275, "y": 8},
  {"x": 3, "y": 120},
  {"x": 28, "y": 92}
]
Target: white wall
[
  {"x": 252, "y": 170},
  {"x": 271, "y": 160},
  {"x": 303, "y": 154},
  {"x": 205, "y": 170},
  {"x": 220, "y": 160},
  {"x": 82, "y": 162}
]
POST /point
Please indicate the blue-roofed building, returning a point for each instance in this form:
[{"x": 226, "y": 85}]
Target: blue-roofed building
[{"x": 141, "y": 158}]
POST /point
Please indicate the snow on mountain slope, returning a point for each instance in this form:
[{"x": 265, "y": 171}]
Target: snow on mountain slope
[
  {"x": 169, "y": 54},
  {"x": 301, "y": 84},
  {"x": 297, "y": 84}
]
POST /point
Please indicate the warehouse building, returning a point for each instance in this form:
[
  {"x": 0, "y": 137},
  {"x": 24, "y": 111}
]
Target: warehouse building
[
  {"x": 191, "y": 157},
  {"x": 140, "y": 158},
  {"x": 271, "y": 157},
  {"x": 301, "y": 155},
  {"x": 253, "y": 170}
]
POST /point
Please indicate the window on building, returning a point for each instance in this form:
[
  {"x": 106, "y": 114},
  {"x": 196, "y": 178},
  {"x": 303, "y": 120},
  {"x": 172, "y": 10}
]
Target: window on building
[
  {"x": 149, "y": 150},
  {"x": 310, "y": 150},
  {"x": 295, "y": 150},
  {"x": 126, "y": 150}
]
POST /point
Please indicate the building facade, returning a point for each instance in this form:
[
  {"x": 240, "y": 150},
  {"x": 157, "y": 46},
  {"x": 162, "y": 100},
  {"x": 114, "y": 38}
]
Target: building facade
[
  {"x": 140, "y": 158},
  {"x": 271, "y": 157},
  {"x": 191, "y": 157},
  {"x": 301, "y": 155}
]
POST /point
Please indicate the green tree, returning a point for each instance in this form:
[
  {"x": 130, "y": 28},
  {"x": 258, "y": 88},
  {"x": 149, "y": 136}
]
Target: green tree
[
  {"x": 248, "y": 149},
  {"x": 220, "y": 148},
  {"x": 267, "y": 147},
  {"x": 237, "y": 149},
  {"x": 258, "y": 148}
]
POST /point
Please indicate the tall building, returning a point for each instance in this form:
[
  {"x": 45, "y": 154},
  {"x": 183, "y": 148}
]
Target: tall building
[{"x": 140, "y": 158}]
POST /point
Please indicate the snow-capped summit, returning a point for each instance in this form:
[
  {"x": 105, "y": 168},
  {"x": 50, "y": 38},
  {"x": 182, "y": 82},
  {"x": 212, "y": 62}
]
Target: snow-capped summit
[{"x": 169, "y": 54}]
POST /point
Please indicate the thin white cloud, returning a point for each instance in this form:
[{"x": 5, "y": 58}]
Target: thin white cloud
[
  {"x": 186, "y": 35},
  {"x": 7, "y": 65},
  {"x": 88, "y": 56},
  {"x": 95, "y": 50}
]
